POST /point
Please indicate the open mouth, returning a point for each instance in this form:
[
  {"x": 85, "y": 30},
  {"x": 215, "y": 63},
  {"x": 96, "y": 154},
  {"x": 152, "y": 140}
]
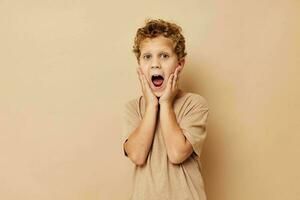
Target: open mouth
[{"x": 157, "y": 80}]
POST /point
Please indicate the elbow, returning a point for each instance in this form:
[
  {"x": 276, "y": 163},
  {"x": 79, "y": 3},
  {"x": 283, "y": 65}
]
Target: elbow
[
  {"x": 178, "y": 158},
  {"x": 175, "y": 159},
  {"x": 139, "y": 160},
  {"x": 140, "y": 163}
]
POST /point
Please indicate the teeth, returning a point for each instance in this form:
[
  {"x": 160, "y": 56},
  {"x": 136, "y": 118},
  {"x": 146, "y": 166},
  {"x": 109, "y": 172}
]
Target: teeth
[{"x": 156, "y": 75}]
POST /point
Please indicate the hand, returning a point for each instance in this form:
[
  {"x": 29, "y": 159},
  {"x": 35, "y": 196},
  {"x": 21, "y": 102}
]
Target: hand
[
  {"x": 172, "y": 88},
  {"x": 150, "y": 98}
]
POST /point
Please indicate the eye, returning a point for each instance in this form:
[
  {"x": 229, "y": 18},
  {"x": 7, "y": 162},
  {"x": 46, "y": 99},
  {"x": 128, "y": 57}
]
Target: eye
[
  {"x": 164, "y": 55},
  {"x": 147, "y": 56}
]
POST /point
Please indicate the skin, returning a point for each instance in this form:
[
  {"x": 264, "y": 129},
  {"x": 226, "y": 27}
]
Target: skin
[{"x": 157, "y": 55}]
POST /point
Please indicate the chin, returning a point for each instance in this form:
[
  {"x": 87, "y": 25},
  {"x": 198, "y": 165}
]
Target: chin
[{"x": 158, "y": 94}]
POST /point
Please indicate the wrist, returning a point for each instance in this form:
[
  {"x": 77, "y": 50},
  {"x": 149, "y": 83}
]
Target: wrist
[
  {"x": 152, "y": 107},
  {"x": 165, "y": 104}
]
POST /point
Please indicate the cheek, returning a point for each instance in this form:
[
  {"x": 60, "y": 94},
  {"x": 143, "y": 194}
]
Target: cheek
[
  {"x": 144, "y": 70},
  {"x": 174, "y": 68},
  {"x": 146, "y": 73},
  {"x": 171, "y": 69},
  {"x": 169, "y": 72}
]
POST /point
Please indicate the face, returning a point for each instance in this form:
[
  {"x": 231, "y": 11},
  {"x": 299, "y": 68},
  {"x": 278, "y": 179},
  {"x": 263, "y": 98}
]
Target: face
[{"x": 158, "y": 61}]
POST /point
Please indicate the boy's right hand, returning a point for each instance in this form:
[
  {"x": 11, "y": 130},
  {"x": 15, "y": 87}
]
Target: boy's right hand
[{"x": 150, "y": 98}]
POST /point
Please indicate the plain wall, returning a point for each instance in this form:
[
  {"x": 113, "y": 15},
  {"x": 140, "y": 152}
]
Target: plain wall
[{"x": 66, "y": 70}]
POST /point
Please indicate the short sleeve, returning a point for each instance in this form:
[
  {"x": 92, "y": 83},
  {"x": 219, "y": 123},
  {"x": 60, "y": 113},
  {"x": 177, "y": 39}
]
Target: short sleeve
[
  {"x": 194, "y": 122},
  {"x": 130, "y": 120}
]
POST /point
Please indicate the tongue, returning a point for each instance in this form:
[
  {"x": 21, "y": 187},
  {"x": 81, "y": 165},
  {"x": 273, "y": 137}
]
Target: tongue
[{"x": 158, "y": 82}]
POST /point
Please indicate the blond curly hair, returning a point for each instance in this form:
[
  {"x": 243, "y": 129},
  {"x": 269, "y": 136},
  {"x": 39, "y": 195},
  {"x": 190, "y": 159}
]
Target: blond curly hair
[{"x": 157, "y": 27}]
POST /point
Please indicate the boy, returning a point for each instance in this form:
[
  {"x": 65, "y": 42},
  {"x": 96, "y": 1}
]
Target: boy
[{"x": 165, "y": 128}]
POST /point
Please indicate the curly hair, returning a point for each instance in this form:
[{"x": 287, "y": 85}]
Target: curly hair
[{"x": 157, "y": 27}]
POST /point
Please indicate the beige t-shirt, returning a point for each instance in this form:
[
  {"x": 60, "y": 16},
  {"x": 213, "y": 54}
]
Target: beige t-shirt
[{"x": 159, "y": 179}]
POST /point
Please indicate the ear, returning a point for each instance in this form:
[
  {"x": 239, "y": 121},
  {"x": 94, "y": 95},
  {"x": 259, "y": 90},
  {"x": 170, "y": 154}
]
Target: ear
[{"x": 181, "y": 62}]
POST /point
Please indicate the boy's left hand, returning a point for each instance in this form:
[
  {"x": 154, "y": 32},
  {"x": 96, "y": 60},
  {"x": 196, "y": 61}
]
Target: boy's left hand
[{"x": 172, "y": 88}]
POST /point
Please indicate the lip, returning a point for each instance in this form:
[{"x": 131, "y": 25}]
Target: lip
[
  {"x": 157, "y": 88},
  {"x": 157, "y": 74}
]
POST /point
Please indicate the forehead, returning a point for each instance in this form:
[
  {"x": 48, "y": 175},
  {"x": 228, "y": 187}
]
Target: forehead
[{"x": 158, "y": 43}]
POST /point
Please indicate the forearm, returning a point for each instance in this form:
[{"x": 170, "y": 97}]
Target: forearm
[
  {"x": 174, "y": 138},
  {"x": 140, "y": 141}
]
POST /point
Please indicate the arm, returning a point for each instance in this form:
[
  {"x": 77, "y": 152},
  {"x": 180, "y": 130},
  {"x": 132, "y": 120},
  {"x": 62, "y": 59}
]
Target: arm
[
  {"x": 139, "y": 142},
  {"x": 178, "y": 147}
]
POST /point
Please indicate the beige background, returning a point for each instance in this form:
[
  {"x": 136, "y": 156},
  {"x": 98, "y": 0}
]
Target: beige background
[{"x": 66, "y": 69}]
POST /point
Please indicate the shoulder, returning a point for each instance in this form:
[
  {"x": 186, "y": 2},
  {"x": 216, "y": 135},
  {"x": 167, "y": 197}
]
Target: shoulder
[
  {"x": 133, "y": 104},
  {"x": 197, "y": 100}
]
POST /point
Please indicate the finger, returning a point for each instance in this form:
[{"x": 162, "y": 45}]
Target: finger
[
  {"x": 140, "y": 78},
  {"x": 137, "y": 71},
  {"x": 176, "y": 82},
  {"x": 170, "y": 81},
  {"x": 146, "y": 83},
  {"x": 176, "y": 77}
]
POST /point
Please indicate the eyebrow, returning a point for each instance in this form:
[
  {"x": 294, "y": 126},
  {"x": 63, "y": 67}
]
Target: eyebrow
[{"x": 162, "y": 51}]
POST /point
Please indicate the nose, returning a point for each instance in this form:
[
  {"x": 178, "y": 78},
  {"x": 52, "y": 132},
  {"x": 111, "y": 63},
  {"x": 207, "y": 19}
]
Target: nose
[
  {"x": 155, "y": 66},
  {"x": 155, "y": 63}
]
